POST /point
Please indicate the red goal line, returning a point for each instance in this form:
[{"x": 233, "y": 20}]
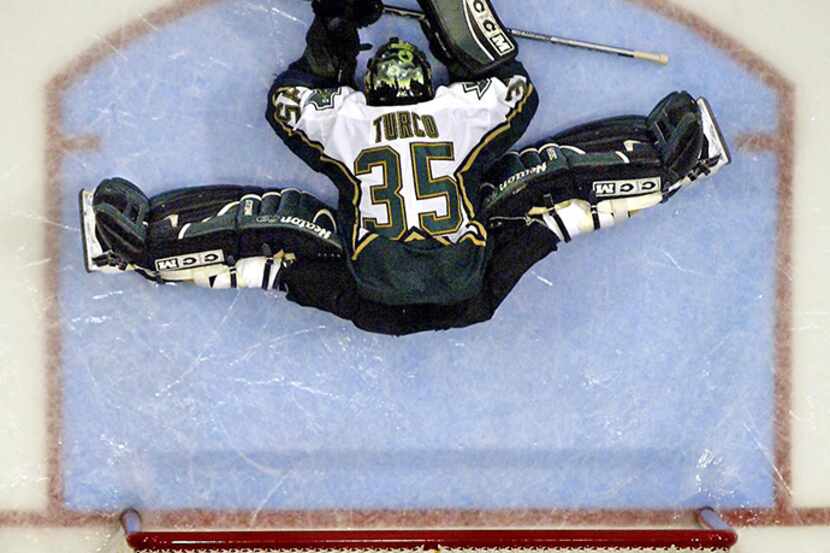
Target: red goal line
[{"x": 713, "y": 534}]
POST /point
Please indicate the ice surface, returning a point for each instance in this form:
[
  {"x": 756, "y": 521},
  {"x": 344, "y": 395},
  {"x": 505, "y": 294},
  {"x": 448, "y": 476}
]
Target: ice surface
[{"x": 632, "y": 370}]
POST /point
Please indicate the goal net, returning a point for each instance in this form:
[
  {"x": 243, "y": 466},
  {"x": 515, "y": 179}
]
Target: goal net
[{"x": 712, "y": 535}]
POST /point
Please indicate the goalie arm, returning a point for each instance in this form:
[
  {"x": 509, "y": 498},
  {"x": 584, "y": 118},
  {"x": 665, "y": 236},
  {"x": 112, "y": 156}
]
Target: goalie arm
[
  {"x": 511, "y": 101},
  {"x": 304, "y": 99},
  {"x": 328, "y": 62}
]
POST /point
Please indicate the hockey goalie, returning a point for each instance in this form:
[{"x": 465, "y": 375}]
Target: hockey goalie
[{"x": 437, "y": 220}]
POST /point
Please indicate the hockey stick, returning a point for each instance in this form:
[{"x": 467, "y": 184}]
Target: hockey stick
[{"x": 662, "y": 59}]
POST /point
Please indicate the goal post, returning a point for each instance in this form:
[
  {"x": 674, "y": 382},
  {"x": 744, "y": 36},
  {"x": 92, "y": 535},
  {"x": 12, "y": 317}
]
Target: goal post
[{"x": 712, "y": 535}]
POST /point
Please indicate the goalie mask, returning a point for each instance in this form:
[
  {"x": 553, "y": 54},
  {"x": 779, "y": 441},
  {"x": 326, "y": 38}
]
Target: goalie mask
[{"x": 399, "y": 74}]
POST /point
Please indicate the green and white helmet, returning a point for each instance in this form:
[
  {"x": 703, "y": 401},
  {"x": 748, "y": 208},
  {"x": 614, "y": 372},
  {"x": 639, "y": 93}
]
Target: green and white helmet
[{"x": 399, "y": 74}]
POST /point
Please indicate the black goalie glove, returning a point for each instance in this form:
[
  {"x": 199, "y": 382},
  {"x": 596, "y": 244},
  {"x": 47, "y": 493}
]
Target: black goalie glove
[
  {"x": 361, "y": 13},
  {"x": 332, "y": 42},
  {"x": 332, "y": 50}
]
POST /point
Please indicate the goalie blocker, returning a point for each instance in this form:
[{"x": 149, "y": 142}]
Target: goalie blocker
[
  {"x": 467, "y": 36},
  {"x": 215, "y": 236}
]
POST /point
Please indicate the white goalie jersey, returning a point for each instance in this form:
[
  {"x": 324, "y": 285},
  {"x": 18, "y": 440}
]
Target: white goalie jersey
[{"x": 409, "y": 176}]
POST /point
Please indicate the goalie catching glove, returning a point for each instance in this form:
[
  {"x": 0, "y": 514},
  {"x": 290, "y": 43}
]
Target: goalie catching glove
[{"x": 332, "y": 41}]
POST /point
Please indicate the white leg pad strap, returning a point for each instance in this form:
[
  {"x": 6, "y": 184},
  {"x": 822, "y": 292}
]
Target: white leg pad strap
[
  {"x": 576, "y": 217},
  {"x": 573, "y": 218}
]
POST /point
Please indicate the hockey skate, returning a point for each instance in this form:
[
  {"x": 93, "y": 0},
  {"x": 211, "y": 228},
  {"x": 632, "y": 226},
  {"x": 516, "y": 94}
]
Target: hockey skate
[
  {"x": 715, "y": 155},
  {"x": 96, "y": 258}
]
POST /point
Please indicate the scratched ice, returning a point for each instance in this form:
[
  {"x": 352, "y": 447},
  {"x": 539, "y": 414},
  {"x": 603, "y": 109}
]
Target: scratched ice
[{"x": 632, "y": 369}]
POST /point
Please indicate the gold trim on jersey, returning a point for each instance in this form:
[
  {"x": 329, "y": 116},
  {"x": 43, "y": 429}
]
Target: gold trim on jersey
[
  {"x": 473, "y": 156},
  {"x": 291, "y": 131},
  {"x": 419, "y": 235},
  {"x": 363, "y": 244}
]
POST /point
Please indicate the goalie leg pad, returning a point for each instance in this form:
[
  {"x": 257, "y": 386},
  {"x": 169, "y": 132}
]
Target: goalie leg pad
[
  {"x": 249, "y": 239},
  {"x": 468, "y": 36},
  {"x": 575, "y": 187},
  {"x": 605, "y": 135},
  {"x": 194, "y": 228},
  {"x": 612, "y": 159},
  {"x": 573, "y": 218},
  {"x": 550, "y": 174},
  {"x": 290, "y": 221},
  {"x": 682, "y": 130},
  {"x": 251, "y": 272},
  {"x": 251, "y": 223},
  {"x": 200, "y": 234}
]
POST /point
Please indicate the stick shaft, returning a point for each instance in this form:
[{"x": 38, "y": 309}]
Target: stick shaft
[{"x": 662, "y": 59}]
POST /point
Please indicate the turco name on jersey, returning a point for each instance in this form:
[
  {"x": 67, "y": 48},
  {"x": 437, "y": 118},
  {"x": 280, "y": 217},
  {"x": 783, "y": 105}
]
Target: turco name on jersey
[{"x": 409, "y": 176}]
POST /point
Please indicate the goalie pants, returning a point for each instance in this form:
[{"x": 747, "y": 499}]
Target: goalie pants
[{"x": 330, "y": 286}]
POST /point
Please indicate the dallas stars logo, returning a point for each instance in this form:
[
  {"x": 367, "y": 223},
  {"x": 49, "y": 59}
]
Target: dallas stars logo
[
  {"x": 480, "y": 88},
  {"x": 323, "y": 99}
]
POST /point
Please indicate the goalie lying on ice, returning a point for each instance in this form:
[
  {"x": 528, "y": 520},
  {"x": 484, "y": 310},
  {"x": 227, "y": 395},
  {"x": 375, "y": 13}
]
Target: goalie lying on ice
[
  {"x": 576, "y": 182},
  {"x": 436, "y": 223}
]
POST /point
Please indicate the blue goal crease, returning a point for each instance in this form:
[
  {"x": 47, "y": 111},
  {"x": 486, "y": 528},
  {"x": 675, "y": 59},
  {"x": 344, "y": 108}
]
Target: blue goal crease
[{"x": 632, "y": 369}]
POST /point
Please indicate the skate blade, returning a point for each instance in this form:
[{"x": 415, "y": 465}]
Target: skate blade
[
  {"x": 714, "y": 134},
  {"x": 92, "y": 248}
]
